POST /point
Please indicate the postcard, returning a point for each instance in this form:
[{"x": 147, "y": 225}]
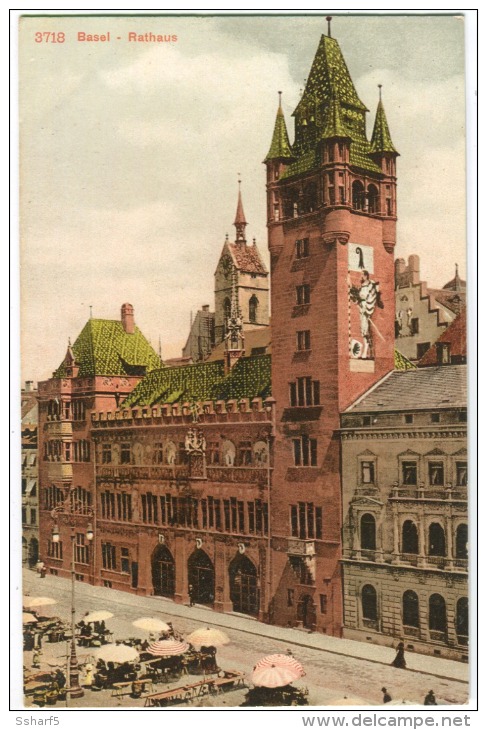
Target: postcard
[{"x": 243, "y": 259}]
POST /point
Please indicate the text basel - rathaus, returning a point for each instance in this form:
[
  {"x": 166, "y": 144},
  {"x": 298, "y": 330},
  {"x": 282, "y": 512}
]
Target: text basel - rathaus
[{"x": 300, "y": 472}]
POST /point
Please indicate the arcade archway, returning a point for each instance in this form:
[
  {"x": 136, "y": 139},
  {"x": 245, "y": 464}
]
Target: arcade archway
[
  {"x": 163, "y": 572},
  {"x": 201, "y": 576},
  {"x": 244, "y": 592}
]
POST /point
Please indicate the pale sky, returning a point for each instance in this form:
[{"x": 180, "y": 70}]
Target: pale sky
[{"x": 130, "y": 154}]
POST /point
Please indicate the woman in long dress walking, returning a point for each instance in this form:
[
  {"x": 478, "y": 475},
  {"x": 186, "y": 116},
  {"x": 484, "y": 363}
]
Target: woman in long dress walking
[{"x": 399, "y": 661}]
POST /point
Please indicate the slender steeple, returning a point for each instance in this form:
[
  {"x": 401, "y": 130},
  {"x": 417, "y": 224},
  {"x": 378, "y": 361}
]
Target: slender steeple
[
  {"x": 280, "y": 148},
  {"x": 240, "y": 221},
  {"x": 381, "y": 137}
]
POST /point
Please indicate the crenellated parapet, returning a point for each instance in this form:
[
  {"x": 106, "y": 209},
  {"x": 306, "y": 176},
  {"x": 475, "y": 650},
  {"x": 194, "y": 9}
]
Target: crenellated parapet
[{"x": 246, "y": 410}]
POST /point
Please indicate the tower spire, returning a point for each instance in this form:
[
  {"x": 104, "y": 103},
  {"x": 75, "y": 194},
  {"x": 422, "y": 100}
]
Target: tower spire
[
  {"x": 240, "y": 221},
  {"x": 381, "y": 137},
  {"x": 280, "y": 148}
]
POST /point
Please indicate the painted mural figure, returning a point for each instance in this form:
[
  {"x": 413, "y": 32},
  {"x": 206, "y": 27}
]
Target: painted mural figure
[{"x": 367, "y": 297}]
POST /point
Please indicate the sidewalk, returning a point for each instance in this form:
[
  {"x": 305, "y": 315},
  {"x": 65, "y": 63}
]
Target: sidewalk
[{"x": 434, "y": 666}]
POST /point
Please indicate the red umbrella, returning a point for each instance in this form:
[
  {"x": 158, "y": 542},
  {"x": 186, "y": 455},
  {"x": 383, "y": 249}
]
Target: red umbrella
[
  {"x": 276, "y": 670},
  {"x": 168, "y": 647}
]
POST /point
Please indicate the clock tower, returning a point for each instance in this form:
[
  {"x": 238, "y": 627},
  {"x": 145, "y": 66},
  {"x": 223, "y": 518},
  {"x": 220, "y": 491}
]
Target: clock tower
[
  {"x": 241, "y": 274},
  {"x": 331, "y": 216}
]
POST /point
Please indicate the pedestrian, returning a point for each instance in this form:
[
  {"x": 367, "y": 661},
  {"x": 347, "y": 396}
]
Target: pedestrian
[
  {"x": 399, "y": 661},
  {"x": 191, "y": 595},
  {"x": 387, "y": 697},
  {"x": 88, "y": 678},
  {"x": 43, "y": 571},
  {"x": 36, "y": 659},
  {"x": 430, "y": 698}
]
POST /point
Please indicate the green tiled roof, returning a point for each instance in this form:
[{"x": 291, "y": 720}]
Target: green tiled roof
[
  {"x": 330, "y": 106},
  {"x": 381, "y": 137},
  {"x": 249, "y": 378},
  {"x": 401, "y": 362},
  {"x": 104, "y": 348},
  {"x": 334, "y": 125},
  {"x": 280, "y": 147}
]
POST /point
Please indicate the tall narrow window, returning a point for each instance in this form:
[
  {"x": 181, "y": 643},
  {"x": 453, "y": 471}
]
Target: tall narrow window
[
  {"x": 253, "y": 308},
  {"x": 461, "y": 542},
  {"x": 303, "y": 340},
  {"x": 368, "y": 472},
  {"x": 436, "y": 472},
  {"x": 437, "y": 613},
  {"x": 409, "y": 473},
  {"x": 369, "y": 603},
  {"x": 436, "y": 546},
  {"x": 303, "y": 294},
  {"x": 367, "y": 532},
  {"x": 409, "y": 538},
  {"x": 410, "y": 609}
]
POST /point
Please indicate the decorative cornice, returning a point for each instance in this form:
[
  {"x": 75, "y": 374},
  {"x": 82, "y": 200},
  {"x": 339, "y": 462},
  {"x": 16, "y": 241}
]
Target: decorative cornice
[{"x": 368, "y": 435}]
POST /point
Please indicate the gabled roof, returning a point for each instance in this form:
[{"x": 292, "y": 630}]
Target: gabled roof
[
  {"x": 247, "y": 259},
  {"x": 104, "y": 348},
  {"x": 455, "y": 336},
  {"x": 421, "y": 389},
  {"x": 381, "y": 137},
  {"x": 249, "y": 378}
]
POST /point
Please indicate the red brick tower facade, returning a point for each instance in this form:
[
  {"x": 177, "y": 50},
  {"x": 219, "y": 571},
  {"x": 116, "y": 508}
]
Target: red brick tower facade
[{"x": 331, "y": 222}]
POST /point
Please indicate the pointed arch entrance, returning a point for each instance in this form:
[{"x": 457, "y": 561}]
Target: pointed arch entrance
[
  {"x": 244, "y": 592},
  {"x": 163, "y": 572},
  {"x": 201, "y": 576}
]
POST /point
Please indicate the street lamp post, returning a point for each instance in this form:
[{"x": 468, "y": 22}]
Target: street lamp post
[{"x": 75, "y": 689}]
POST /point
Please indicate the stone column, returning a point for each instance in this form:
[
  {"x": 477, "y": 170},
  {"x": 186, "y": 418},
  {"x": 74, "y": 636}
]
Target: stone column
[
  {"x": 449, "y": 538},
  {"x": 222, "y": 577},
  {"x": 180, "y": 553},
  {"x": 395, "y": 527},
  {"x": 421, "y": 540}
]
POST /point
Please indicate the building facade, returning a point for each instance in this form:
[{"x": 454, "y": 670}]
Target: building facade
[
  {"x": 331, "y": 209},
  {"x": 29, "y": 475},
  {"x": 405, "y": 535},
  {"x": 422, "y": 313},
  {"x": 99, "y": 370}
]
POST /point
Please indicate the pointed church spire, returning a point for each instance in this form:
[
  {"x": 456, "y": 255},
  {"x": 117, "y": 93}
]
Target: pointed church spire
[
  {"x": 240, "y": 221},
  {"x": 381, "y": 137},
  {"x": 280, "y": 148}
]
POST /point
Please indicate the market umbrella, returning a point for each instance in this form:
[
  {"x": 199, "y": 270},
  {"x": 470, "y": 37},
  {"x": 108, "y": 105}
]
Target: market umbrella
[
  {"x": 118, "y": 653},
  {"x": 28, "y": 618},
  {"x": 276, "y": 670},
  {"x": 97, "y": 616},
  {"x": 168, "y": 647},
  {"x": 151, "y": 624},
  {"x": 37, "y": 601},
  {"x": 208, "y": 637}
]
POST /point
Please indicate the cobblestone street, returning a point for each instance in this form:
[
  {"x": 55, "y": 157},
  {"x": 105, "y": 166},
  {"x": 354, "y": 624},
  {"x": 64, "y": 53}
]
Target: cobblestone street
[{"x": 337, "y": 671}]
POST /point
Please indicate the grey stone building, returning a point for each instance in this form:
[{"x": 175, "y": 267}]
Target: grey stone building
[{"x": 405, "y": 537}]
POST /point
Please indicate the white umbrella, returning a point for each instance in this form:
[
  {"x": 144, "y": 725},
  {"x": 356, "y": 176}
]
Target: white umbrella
[
  {"x": 208, "y": 637},
  {"x": 97, "y": 616},
  {"x": 28, "y": 618},
  {"x": 36, "y": 601},
  {"x": 150, "y": 624},
  {"x": 276, "y": 670},
  {"x": 168, "y": 647},
  {"x": 118, "y": 653}
]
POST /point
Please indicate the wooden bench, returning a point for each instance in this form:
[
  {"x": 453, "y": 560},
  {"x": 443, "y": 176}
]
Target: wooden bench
[
  {"x": 189, "y": 692},
  {"x": 230, "y": 680},
  {"x": 120, "y": 688}
]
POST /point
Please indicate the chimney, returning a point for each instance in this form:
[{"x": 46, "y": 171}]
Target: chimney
[
  {"x": 206, "y": 307},
  {"x": 128, "y": 321},
  {"x": 28, "y": 386}
]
